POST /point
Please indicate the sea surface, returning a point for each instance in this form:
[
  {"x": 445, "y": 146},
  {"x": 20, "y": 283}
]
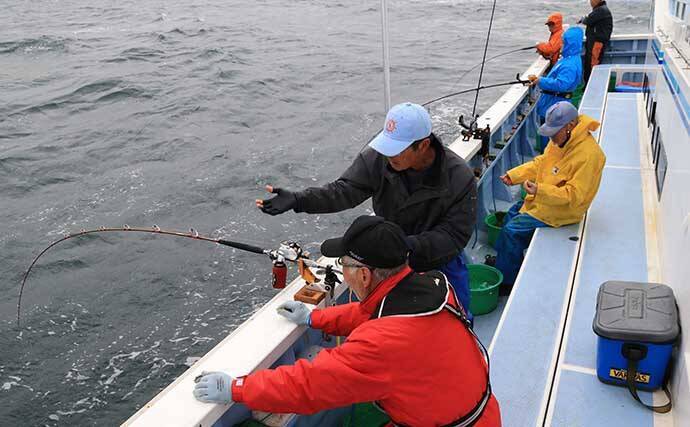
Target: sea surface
[{"x": 177, "y": 113}]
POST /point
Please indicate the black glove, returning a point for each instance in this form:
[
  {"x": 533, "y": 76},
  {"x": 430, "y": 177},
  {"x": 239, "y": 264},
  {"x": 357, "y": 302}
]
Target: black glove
[{"x": 284, "y": 201}]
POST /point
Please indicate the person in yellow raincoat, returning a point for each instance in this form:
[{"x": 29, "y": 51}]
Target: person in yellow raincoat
[
  {"x": 551, "y": 49},
  {"x": 560, "y": 185}
]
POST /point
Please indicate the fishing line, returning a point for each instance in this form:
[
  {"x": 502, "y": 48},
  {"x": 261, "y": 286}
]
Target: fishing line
[{"x": 474, "y": 67}]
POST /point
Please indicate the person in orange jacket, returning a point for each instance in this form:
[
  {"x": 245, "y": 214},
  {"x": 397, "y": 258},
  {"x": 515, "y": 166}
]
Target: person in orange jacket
[
  {"x": 409, "y": 346},
  {"x": 551, "y": 50}
]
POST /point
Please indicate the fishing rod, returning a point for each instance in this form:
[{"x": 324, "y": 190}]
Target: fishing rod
[
  {"x": 486, "y": 47},
  {"x": 476, "y": 89},
  {"x": 289, "y": 251}
]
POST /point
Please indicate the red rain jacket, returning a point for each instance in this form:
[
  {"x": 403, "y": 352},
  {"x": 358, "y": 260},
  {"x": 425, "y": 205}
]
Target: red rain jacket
[
  {"x": 424, "y": 369},
  {"x": 552, "y": 49}
]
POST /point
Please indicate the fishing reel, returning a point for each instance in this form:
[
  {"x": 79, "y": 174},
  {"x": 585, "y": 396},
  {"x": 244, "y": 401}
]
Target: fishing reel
[
  {"x": 472, "y": 130},
  {"x": 469, "y": 129},
  {"x": 287, "y": 251},
  {"x": 330, "y": 281}
]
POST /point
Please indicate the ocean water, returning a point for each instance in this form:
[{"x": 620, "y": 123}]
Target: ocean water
[{"x": 177, "y": 114}]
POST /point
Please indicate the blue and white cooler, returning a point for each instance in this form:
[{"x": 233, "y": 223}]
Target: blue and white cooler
[{"x": 637, "y": 325}]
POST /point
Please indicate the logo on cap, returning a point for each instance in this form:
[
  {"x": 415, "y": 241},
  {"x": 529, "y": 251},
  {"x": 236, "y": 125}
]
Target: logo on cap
[
  {"x": 390, "y": 125},
  {"x": 355, "y": 256}
]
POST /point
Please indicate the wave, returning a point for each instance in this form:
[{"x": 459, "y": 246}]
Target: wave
[
  {"x": 632, "y": 19},
  {"x": 128, "y": 92},
  {"x": 227, "y": 74},
  {"x": 109, "y": 90},
  {"x": 138, "y": 54},
  {"x": 35, "y": 45},
  {"x": 14, "y": 135},
  {"x": 98, "y": 86},
  {"x": 62, "y": 265}
]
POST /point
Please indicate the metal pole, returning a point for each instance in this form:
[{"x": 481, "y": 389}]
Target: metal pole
[{"x": 386, "y": 56}]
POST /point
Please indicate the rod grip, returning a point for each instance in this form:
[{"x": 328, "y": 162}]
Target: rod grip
[{"x": 242, "y": 246}]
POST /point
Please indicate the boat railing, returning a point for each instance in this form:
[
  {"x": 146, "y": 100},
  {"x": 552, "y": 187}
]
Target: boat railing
[{"x": 256, "y": 344}]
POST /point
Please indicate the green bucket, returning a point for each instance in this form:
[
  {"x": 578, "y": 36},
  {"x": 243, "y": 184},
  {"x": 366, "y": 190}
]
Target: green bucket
[
  {"x": 494, "y": 222},
  {"x": 577, "y": 95},
  {"x": 365, "y": 415},
  {"x": 484, "y": 282}
]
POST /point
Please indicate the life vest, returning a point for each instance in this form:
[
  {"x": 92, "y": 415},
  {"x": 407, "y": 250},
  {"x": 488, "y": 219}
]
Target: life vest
[{"x": 427, "y": 294}]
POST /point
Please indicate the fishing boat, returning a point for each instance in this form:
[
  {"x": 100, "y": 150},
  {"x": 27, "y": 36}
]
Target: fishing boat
[{"x": 540, "y": 339}]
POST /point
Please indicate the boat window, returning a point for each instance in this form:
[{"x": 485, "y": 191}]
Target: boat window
[
  {"x": 677, "y": 8},
  {"x": 650, "y": 105},
  {"x": 661, "y": 164},
  {"x": 651, "y": 114},
  {"x": 653, "y": 142}
]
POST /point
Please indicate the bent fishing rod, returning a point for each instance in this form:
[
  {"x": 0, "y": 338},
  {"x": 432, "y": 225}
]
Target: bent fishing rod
[
  {"x": 477, "y": 89},
  {"x": 289, "y": 251}
]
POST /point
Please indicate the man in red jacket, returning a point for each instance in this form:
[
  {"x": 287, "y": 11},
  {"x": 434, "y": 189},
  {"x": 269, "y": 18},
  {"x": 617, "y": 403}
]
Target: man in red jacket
[{"x": 409, "y": 348}]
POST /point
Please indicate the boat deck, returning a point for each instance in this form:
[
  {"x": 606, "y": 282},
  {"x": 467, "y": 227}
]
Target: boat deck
[
  {"x": 542, "y": 346},
  {"x": 544, "y": 351}
]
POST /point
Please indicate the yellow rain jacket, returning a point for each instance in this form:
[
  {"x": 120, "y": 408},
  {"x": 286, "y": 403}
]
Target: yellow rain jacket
[{"x": 567, "y": 178}]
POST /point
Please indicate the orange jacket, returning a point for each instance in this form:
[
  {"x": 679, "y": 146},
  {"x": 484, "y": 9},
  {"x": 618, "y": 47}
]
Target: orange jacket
[
  {"x": 552, "y": 49},
  {"x": 424, "y": 369}
]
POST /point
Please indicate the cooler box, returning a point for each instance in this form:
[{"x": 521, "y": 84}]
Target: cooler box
[{"x": 638, "y": 320}]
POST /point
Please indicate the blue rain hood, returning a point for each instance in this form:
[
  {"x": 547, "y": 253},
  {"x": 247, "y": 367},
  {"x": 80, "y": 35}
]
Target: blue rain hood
[
  {"x": 572, "y": 41},
  {"x": 566, "y": 75}
]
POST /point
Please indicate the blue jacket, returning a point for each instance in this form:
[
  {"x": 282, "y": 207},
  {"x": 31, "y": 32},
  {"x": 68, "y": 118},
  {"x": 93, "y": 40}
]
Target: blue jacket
[{"x": 566, "y": 75}]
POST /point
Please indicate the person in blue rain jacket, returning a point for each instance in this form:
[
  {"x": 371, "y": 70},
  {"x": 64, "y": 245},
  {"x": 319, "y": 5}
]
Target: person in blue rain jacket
[{"x": 563, "y": 78}]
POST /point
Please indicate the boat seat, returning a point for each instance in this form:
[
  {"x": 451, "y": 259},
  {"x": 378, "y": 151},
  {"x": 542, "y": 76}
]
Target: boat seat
[
  {"x": 528, "y": 334},
  {"x": 613, "y": 248},
  {"x": 543, "y": 356}
]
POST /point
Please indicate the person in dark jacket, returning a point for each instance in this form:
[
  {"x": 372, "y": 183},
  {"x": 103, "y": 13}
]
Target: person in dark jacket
[
  {"x": 415, "y": 182},
  {"x": 599, "y": 28},
  {"x": 408, "y": 348}
]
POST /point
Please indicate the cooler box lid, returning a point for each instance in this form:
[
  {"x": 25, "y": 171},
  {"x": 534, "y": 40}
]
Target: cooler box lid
[{"x": 632, "y": 311}]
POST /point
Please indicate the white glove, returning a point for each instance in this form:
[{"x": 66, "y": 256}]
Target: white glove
[
  {"x": 296, "y": 312},
  {"x": 213, "y": 387}
]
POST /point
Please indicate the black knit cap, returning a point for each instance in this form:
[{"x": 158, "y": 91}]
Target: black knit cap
[{"x": 370, "y": 240}]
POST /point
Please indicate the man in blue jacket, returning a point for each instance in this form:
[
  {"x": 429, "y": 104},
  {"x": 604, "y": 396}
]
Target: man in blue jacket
[{"x": 563, "y": 78}]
